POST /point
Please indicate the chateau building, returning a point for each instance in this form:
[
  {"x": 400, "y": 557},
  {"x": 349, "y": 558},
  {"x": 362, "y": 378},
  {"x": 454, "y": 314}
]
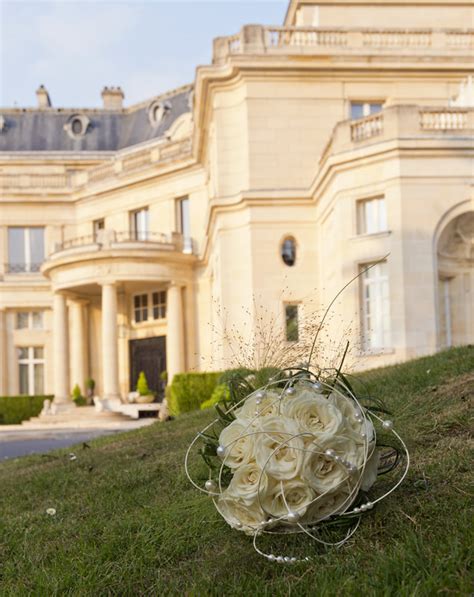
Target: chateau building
[{"x": 304, "y": 153}]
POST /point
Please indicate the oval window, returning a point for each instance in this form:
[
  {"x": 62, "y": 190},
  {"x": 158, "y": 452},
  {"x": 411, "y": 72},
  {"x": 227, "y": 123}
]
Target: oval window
[
  {"x": 76, "y": 126},
  {"x": 288, "y": 251}
]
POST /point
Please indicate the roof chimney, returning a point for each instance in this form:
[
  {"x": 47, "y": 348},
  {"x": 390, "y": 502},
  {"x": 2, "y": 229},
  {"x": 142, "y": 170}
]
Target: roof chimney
[
  {"x": 112, "y": 98},
  {"x": 44, "y": 100}
]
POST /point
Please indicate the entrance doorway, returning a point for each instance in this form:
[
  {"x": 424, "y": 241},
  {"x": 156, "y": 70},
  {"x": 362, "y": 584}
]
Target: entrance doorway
[{"x": 148, "y": 355}]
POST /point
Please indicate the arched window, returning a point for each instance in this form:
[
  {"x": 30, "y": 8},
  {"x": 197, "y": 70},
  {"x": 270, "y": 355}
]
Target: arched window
[{"x": 288, "y": 251}]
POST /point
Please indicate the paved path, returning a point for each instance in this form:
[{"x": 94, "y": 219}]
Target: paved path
[
  {"x": 41, "y": 442},
  {"x": 17, "y": 441}
]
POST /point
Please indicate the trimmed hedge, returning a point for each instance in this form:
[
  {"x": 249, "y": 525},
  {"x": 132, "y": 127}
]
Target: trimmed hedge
[
  {"x": 15, "y": 409},
  {"x": 189, "y": 390},
  {"x": 221, "y": 392}
]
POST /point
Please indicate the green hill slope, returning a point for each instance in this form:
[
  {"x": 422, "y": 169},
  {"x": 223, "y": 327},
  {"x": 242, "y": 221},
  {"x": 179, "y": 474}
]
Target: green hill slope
[{"x": 129, "y": 523}]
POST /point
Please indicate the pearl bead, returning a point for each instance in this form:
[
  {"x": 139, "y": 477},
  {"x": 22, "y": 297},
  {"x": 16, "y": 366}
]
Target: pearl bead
[
  {"x": 317, "y": 385},
  {"x": 290, "y": 390},
  {"x": 369, "y": 505},
  {"x": 330, "y": 453},
  {"x": 293, "y": 516},
  {"x": 220, "y": 450},
  {"x": 364, "y": 508},
  {"x": 356, "y": 510},
  {"x": 352, "y": 468},
  {"x": 238, "y": 525},
  {"x": 258, "y": 401},
  {"x": 280, "y": 559},
  {"x": 271, "y": 557},
  {"x": 293, "y": 560},
  {"x": 364, "y": 435},
  {"x": 256, "y": 413},
  {"x": 210, "y": 485},
  {"x": 259, "y": 395},
  {"x": 387, "y": 425},
  {"x": 338, "y": 459},
  {"x": 287, "y": 559}
]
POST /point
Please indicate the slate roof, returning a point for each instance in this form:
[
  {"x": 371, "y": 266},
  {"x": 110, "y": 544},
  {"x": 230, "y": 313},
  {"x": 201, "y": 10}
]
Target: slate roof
[{"x": 109, "y": 130}]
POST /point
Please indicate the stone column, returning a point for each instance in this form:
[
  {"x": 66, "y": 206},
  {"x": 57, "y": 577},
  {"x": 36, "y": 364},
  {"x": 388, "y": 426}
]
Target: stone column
[
  {"x": 62, "y": 391},
  {"x": 78, "y": 344},
  {"x": 110, "y": 376},
  {"x": 3, "y": 353},
  {"x": 174, "y": 334}
]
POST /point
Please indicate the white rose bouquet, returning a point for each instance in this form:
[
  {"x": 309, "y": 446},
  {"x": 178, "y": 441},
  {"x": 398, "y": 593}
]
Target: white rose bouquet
[{"x": 299, "y": 454}]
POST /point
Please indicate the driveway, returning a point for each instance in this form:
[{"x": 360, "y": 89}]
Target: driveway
[{"x": 38, "y": 441}]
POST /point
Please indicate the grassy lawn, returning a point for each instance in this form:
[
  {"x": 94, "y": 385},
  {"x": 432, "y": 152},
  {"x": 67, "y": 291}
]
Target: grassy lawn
[{"x": 129, "y": 523}]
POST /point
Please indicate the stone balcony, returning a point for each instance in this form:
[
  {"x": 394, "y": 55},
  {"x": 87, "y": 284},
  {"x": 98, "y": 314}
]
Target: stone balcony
[
  {"x": 401, "y": 122},
  {"x": 274, "y": 41},
  {"x": 112, "y": 240}
]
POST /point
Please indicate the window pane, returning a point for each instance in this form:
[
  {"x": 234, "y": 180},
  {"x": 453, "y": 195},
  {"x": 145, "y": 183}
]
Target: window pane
[
  {"x": 37, "y": 320},
  {"x": 23, "y": 353},
  {"x": 140, "y": 221},
  {"x": 22, "y": 320},
  {"x": 39, "y": 378},
  {"x": 357, "y": 110},
  {"x": 184, "y": 218},
  {"x": 288, "y": 251},
  {"x": 36, "y": 256},
  {"x": 23, "y": 379},
  {"x": 138, "y": 315},
  {"x": 136, "y": 301},
  {"x": 291, "y": 313},
  {"x": 376, "y": 307},
  {"x": 16, "y": 249},
  {"x": 374, "y": 108},
  {"x": 38, "y": 352}
]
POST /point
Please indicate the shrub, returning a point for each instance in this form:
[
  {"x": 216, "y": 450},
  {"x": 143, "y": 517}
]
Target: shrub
[
  {"x": 221, "y": 392},
  {"x": 15, "y": 409},
  {"x": 142, "y": 385},
  {"x": 90, "y": 386},
  {"x": 230, "y": 374},
  {"x": 189, "y": 390},
  {"x": 77, "y": 396}
]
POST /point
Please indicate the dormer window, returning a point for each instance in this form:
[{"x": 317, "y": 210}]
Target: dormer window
[
  {"x": 157, "y": 111},
  {"x": 77, "y": 126},
  {"x": 3, "y": 125}
]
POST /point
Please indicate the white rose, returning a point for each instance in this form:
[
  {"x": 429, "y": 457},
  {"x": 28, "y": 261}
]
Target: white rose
[
  {"x": 313, "y": 412},
  {"x": 269, "y": 406},
  {"x": 349, "y": 409},
  {"x": 248, "y": 482},
  {"x": 284, "y": 496},
  {"x": 238, "y": 442},
  {"x": 370, "y": 472},
  {"x": 279, "y": 447},
  {"x": 239, "y": 514},
  {"x": 324, "y": 473},
  {"x": 329, "y": 504}
]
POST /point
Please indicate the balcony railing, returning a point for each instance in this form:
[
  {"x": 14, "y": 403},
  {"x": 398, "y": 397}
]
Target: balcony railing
[
  {"x": 401, "y": 122},
  {"x": 112, "y": 239},
  {"x": 22, "y": 268},
  {"x": 256, "y": 39}
]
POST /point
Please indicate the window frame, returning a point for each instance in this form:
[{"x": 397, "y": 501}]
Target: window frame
[
  {"x": 287, "y": 306},
  {"x": 366, "y": 107},
  {"x": 30, "y": 320},
  {"x": 28, "y": 266},
  {"x": 382, "y": 309},
  {"x": 30, "y": 362},
  {"x": 381, "y": 219},
  {"x": 150, "y": 307},
  {"x": 136, "y": 232}
]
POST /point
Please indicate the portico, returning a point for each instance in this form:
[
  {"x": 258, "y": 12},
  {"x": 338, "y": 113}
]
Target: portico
[{"x": 93, "y": 293}]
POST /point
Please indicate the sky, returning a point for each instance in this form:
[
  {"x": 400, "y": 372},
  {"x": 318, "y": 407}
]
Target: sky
[{"x": 76, "y": 47}]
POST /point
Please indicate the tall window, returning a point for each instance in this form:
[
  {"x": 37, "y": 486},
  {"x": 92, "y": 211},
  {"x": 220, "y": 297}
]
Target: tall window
[
  {"x": 25, "y": 249},
  {"x": 140, "y": 224},
  {"x": 362, "y": 109},
  {"x": 291, "y": 323},
  {"x": 29, "y": 320},
  {"x": 140, "y": 308},
  {"x": 371, "y": 216},
  {"x": 98, "y": 225},
  {"x": 375, "y": 307},
  {"x": 184, "y": 223},
  {"x": 31, "y": 370},
  {"x": 159, "y": 304}
]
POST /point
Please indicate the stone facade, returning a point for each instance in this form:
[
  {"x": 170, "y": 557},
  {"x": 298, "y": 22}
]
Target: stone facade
[{"x": 301, "y": 155}]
